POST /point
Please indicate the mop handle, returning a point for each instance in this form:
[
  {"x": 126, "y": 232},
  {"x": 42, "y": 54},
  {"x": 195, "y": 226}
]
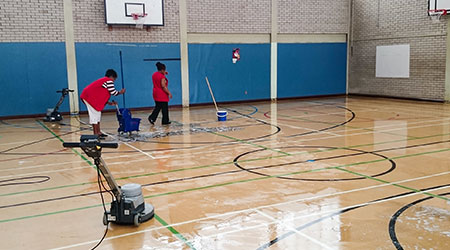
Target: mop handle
[
  {"x": 118, "y": 110},
  {"x": 212, "y": 95}
]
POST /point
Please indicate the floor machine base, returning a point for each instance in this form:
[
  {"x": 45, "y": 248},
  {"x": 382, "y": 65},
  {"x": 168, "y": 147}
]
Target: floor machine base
[{"x": 128, "y": 205}]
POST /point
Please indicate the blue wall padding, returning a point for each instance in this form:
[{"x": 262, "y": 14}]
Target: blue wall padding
[
  {"x": 30, "y": 75},
  {"x": 93, "y": 59},
  {"x": 229, "y": 81},
  {"x": 311, "y": 69}
]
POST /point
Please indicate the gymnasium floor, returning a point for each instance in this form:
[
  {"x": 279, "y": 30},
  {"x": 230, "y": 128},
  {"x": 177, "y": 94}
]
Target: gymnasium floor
[{"x": 328, "y": 173}]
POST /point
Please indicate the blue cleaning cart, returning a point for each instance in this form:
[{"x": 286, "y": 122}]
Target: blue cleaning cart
[{"x": 127, "y": 124}]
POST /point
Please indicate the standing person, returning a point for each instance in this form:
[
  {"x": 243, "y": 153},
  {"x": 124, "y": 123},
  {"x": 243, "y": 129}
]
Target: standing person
[
  {"x": 96, "y": 95},
  {"x": 161, "y": 95}
]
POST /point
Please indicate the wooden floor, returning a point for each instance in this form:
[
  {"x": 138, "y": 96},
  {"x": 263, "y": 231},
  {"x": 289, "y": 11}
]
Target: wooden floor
[{"x": 329, "y": 173}]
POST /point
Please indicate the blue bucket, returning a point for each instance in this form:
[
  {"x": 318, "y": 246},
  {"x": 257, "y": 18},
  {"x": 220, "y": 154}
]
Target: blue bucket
[{"x": 222, "y": 115}]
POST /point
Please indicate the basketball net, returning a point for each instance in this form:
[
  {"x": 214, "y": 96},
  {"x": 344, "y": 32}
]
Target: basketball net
[
  {"x": 435, "y": 15},
  {"x": 139, "y": 18}
]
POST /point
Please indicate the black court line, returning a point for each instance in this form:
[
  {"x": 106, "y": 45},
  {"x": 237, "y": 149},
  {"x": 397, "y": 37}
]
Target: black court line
[
  {"x": 175, "y": 180},
  {"x": 5, "y": 152},
  {"x": 278, "y": 129},
  {"x": 331, "y": 127},
  {"x": 40, "y": 127},
  {"x": 285, "y": 235},
  {"x": 37, "y": 141},
  {"x": 24, "y": 180},
  {"x": 361, "y": 152},
  {"x": 394, "y": 218}
]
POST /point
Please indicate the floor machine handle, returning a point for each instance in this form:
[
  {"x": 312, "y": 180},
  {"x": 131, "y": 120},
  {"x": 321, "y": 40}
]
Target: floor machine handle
[
  {"x": 82, "y": 144},
  {"x": 71, "y": 144}
]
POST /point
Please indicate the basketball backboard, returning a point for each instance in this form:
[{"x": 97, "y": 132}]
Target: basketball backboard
[
  {"x": 439, "y": 4},
  {"x": 120, "y": 12}
]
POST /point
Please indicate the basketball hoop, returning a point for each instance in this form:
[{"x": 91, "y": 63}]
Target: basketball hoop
[
  {"x": 139, "y": 18},
  {"x": 435, "y": 15}
]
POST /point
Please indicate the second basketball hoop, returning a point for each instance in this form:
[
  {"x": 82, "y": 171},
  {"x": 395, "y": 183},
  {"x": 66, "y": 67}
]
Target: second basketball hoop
[{"x": 435, "y": 15}]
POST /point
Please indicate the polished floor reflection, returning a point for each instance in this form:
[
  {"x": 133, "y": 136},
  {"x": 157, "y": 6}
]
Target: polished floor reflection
[{"x": 328, "y": 173}]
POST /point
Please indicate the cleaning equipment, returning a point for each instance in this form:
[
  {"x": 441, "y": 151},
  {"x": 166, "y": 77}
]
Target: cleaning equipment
[
  {"x": 221, "y": 115},
  {"x": 128, "y": 206},
  {"x": 52, "y": 114},
  {"x": 127, "y": 124}
]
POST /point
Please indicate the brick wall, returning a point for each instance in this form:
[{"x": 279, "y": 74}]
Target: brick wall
[
  {"x": 231, "y": 16},
  {"x": 31, "y": 21},
  {"x": 43, "y": 20},
  {"x": 375, "y": 24},
  {"x": 313, "y": 16},
  {"x": 89, "y": 25},
  {"x": 254, "y": 16}
]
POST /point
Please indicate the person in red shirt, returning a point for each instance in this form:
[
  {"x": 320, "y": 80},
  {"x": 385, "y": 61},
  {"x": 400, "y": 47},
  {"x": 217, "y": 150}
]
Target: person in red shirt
[
  {"x": 96, "y": 95},
  {"x": 161, "y": 95}
]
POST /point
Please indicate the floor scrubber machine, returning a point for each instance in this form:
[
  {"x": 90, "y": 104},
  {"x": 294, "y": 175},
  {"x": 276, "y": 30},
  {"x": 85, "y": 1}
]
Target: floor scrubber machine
[
  {"x": 128, "y": 206},
  {"x": 52, "y": 114}
]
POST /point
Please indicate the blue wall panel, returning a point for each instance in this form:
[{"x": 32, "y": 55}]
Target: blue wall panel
[
  {"x": 30, "y": 74},
  {"x": 93, "y": 59},
  {"x": 248, "y": 79},
  {"x": 311, "y": 69}
]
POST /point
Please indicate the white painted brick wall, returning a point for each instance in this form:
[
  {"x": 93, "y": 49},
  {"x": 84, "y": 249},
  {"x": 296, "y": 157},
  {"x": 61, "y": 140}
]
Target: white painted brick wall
[{"x": 388, "y": 22}]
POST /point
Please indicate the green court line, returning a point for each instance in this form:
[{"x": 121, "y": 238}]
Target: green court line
[
  {"x": 73, "y": 150},
  {"x": 249, "y": 180},
  {"x": 174, "y": 232},
  {"x": 308, "y": 171},
  {"x": 250, "y": 143},
  {"x": 213, "y": 165},
  {"x": 394, "y": 184},
  {"x": 50, "y": 213},
  {"x": 349, "y": 126},
  {"x": 171, "y": 229}
]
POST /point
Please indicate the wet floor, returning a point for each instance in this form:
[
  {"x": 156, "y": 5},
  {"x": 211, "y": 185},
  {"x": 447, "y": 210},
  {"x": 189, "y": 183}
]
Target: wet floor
[{"x": 328, "y": 173}]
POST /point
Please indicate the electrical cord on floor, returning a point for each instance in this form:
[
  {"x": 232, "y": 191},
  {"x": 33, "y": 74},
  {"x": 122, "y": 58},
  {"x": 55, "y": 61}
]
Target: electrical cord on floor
[{"x": 100, "y": 184}]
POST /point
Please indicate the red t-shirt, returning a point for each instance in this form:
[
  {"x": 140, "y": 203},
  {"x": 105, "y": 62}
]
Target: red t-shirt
[
  {"x": 96, "y": 94},
  {"x": 158, "y": 93}
]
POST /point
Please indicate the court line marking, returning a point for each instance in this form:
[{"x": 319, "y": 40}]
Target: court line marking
[
  {"x": 131, "y": 146},
  {"x": 250, "y": 143},
  {"x": 178, "y": 235},
  {"x": 174, "y": 232},
  {"x": 369, "y": 132},
  {"x": 313, "y": 214},
  {"x": 59, "y": 138},
  {"x": 347, "y": 126},
  {"x": 69, "y": 162},
  {"x": 308, "y": 129},
  {"x": 293, "y": 229},
  {"x": 267, "y": 206},
  {"x": 206, "y": 166},
  {"x": 429, "y": 109}
]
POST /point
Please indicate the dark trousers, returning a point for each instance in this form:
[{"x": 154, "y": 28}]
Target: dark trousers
[{"x": 165, "y": 112}]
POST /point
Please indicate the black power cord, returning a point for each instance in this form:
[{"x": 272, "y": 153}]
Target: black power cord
[{"x": 100, "y": 185}]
